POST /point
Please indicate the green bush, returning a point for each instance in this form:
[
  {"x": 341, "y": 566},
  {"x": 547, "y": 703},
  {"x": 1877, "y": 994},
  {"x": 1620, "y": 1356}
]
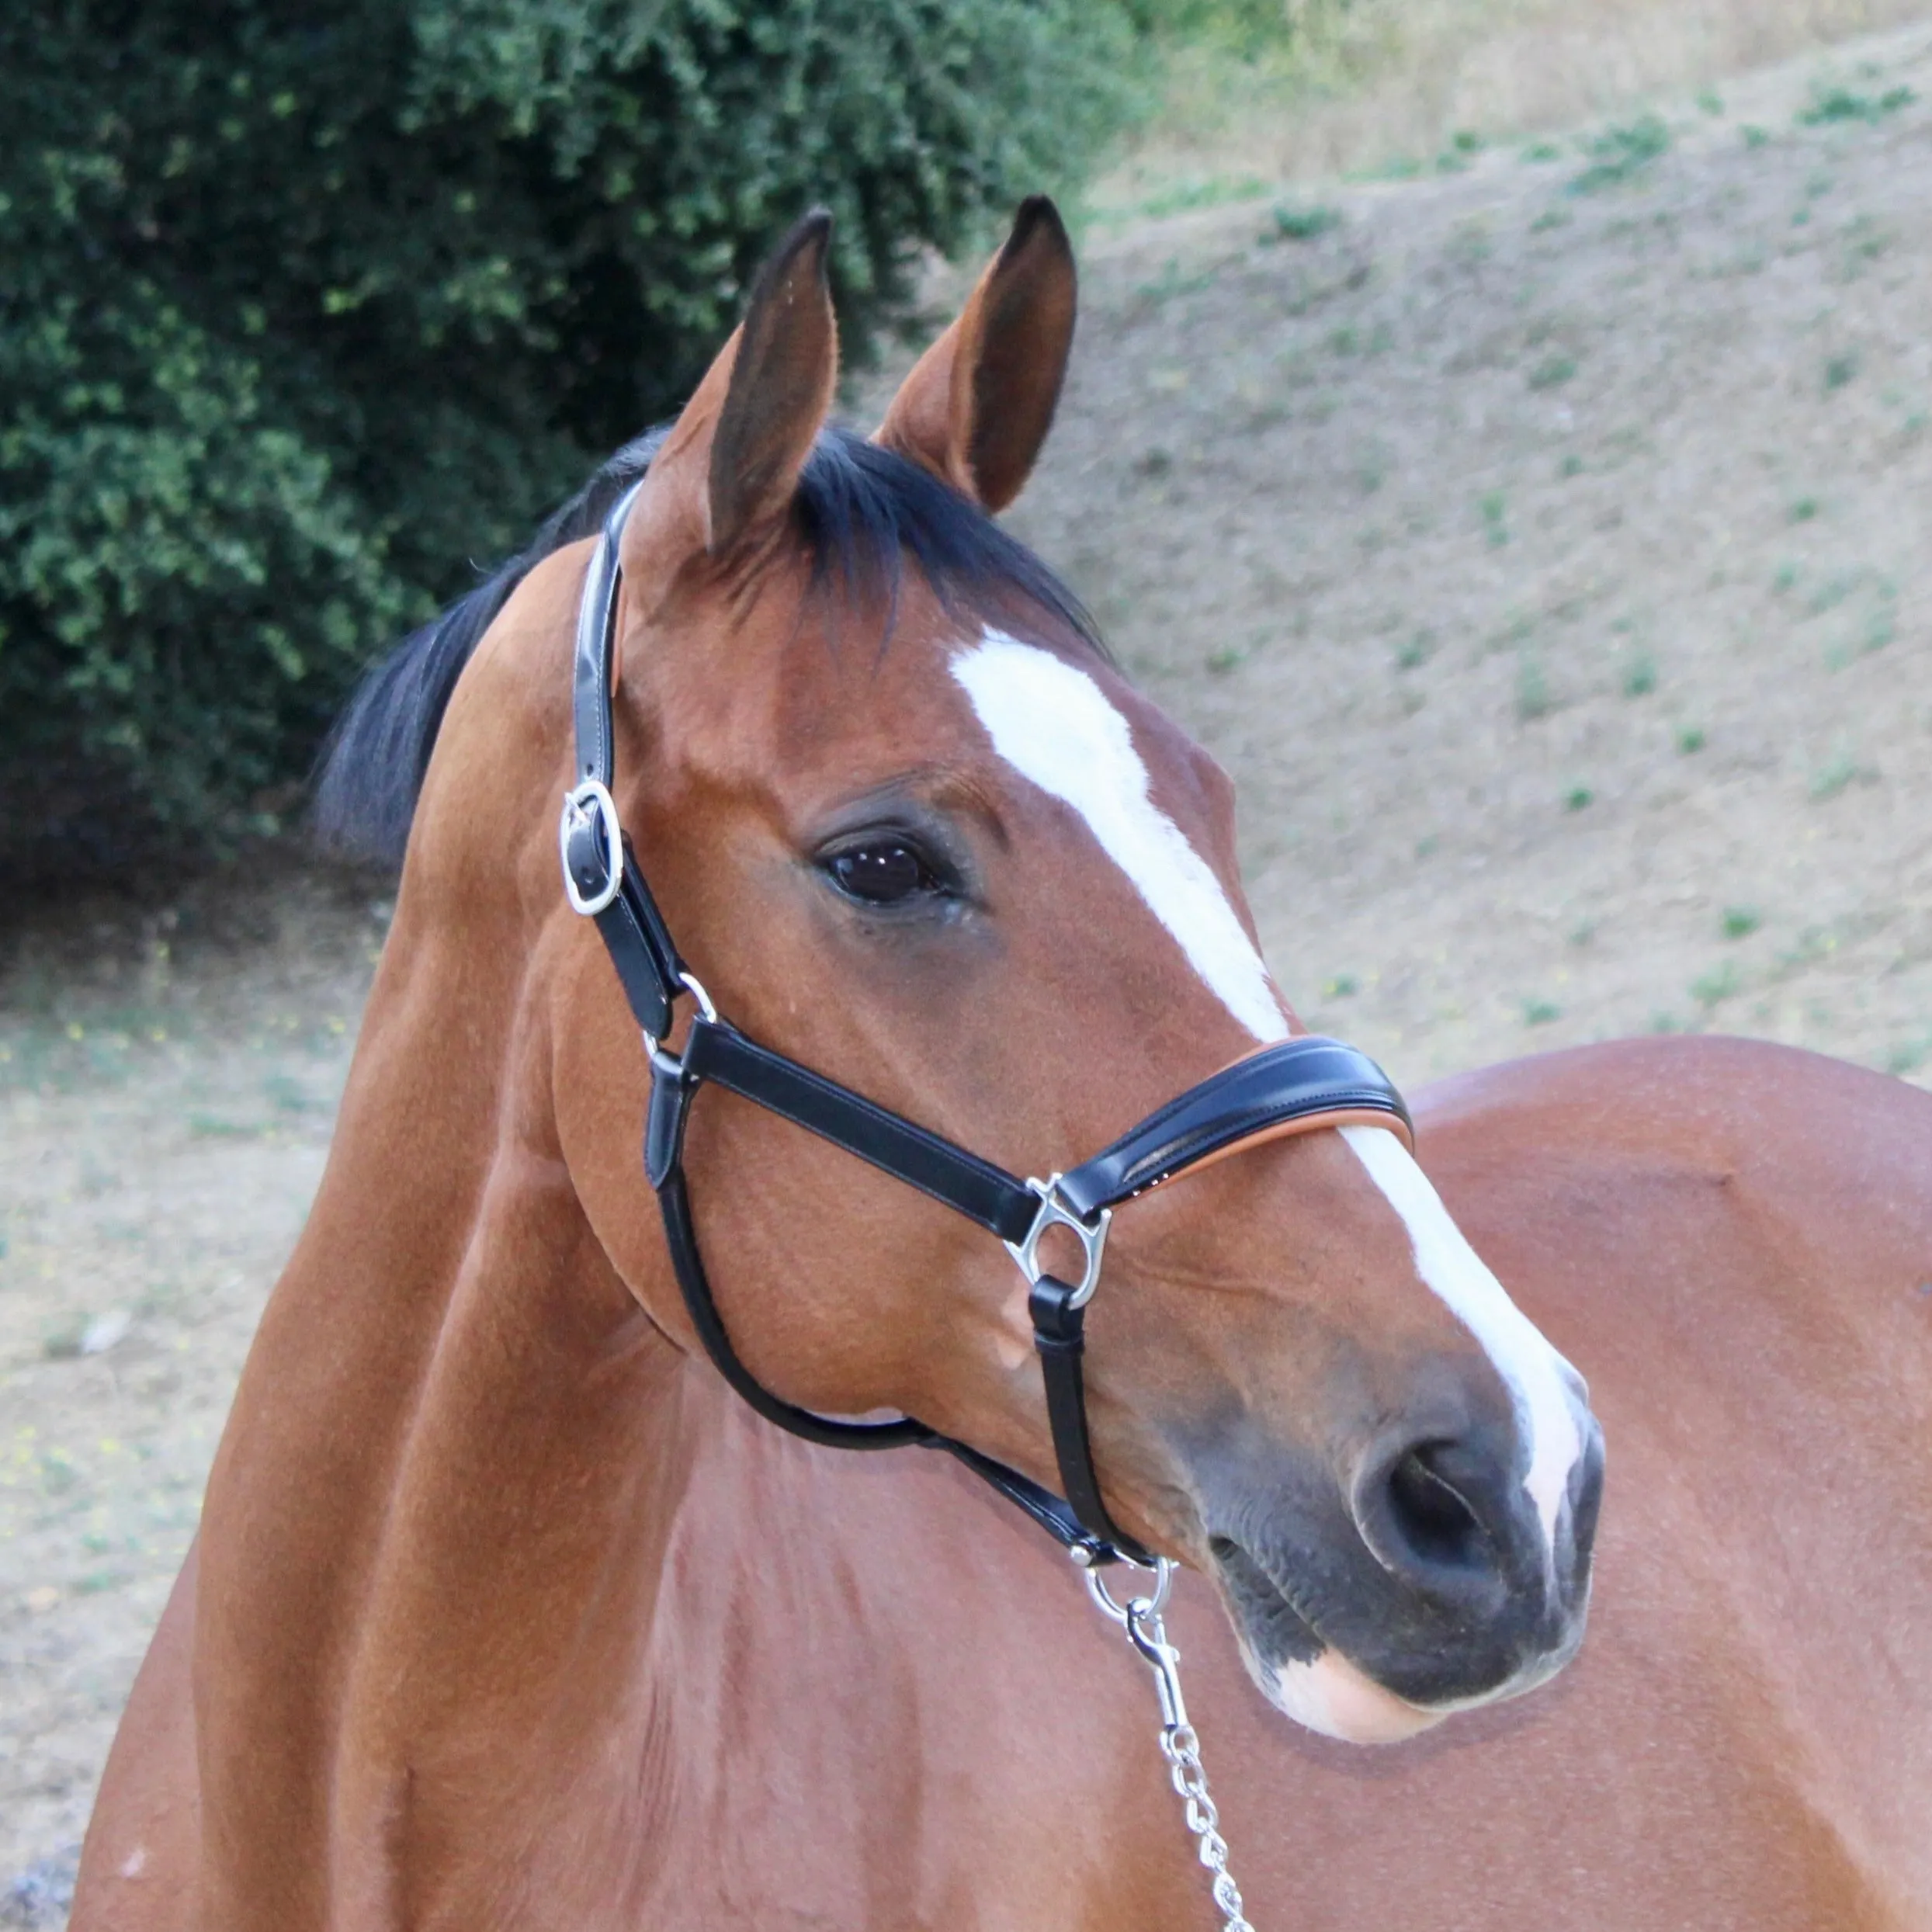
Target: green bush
[{"x": 308, "y": 305}]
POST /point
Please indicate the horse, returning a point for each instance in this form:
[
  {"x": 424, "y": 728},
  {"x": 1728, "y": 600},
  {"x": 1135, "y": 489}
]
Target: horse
[{"x": 506, "y": 1608}]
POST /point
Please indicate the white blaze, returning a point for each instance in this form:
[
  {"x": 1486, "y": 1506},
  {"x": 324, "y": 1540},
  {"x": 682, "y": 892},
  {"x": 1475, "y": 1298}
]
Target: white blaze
[
  {"x": 1053, "y": 724},
  {"x": 1536, "y": 1376}
]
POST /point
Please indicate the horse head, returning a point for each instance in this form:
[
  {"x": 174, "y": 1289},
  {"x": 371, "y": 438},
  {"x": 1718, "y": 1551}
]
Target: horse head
[{"x": 912, "y": 827}]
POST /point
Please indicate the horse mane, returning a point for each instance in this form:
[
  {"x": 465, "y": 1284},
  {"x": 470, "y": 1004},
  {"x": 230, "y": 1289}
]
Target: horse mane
[{"x": 862, "y": 511}]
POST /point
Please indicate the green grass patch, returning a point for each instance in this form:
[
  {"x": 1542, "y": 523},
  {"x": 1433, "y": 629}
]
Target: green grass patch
[
  {"x": 1619, "y": 154},
  {"x": 1837, "y": 104},
  {"x": 1831, "y": 778},
  {"x": 1533, "y": 698},
  {"x": 1290, "y": 224}
]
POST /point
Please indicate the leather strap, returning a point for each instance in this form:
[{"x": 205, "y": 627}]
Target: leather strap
[
  {"x": 1305, "y": 1083},
  {"x": 674, "y": 1202},
  {"x": 1059, "y": 1339},
  {"x": 972, "y": 1187},
  {"x": 639, "y": 943},
  {"x": 591, "y": 680}
]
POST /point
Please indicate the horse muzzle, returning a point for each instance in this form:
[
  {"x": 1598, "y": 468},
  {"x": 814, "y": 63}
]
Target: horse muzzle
[{"x": 1418, "y": 1578}]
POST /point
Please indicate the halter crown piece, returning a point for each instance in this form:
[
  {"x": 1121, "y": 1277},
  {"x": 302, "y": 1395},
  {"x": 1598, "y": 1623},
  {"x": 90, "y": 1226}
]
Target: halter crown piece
[{"x": 1292, "y": 1087}]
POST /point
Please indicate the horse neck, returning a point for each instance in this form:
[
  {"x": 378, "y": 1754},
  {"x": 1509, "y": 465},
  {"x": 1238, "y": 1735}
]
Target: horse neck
[{"x": 459, "y": 1443}]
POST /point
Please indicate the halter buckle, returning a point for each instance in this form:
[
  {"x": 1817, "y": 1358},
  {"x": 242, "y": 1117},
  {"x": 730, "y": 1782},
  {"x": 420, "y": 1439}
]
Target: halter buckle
[
  {"x": 590, "y": 807},
  {"x": 1054, "y": 1213}
]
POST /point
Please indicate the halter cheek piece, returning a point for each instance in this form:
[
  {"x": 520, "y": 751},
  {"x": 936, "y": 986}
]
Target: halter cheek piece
[{"x": 1292, "y": 1088}]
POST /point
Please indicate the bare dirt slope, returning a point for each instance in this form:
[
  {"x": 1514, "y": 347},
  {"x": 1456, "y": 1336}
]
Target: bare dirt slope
[
  {"x": 166, "y": 1087},
  {"x": 1540, "y": 543}
]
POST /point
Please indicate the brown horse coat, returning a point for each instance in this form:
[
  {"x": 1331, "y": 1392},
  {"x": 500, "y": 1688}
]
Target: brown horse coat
[{"x": 505, "y": 1613}]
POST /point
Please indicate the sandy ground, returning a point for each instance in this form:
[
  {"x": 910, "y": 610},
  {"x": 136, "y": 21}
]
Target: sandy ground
[{"x": 1539, "y": 544}]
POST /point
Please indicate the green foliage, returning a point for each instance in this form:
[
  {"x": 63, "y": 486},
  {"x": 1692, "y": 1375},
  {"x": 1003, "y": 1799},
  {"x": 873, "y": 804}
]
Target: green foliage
[{"x": 303, "y": 308}]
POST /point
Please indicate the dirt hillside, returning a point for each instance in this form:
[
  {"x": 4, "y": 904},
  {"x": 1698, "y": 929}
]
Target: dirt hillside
[{"x": 1540, "y": 541}]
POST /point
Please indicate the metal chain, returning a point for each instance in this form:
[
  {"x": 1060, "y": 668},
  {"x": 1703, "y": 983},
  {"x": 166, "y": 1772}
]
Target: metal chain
[{"x": 1140, "y": 1617}]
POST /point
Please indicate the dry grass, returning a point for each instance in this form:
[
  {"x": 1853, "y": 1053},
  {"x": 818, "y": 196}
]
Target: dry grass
[{"x": 1380, "y": 83}]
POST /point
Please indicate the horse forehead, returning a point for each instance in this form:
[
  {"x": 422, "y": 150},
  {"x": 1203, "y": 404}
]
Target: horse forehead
[
  {"x": 1051, "y": 721},
  {"x": 1075, "y": 710}
]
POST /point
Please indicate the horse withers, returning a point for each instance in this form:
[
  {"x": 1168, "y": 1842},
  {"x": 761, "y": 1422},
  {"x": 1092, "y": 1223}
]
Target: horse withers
[{"x": 505, "y": 1611}]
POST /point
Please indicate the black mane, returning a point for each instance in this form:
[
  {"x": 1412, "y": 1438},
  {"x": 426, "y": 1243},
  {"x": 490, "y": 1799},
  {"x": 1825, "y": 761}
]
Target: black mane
[{"x": 861, "y": 509}]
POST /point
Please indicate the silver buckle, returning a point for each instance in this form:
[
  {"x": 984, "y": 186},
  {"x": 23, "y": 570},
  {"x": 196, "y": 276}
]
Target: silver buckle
[
  {"x": 591, "y": 796},
  {"x": 1092, "y": 1237}
]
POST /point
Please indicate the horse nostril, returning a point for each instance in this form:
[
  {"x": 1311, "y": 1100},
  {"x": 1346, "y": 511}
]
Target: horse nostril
[
  {"x": 1435, "y": 1515},
  {"x": 1430, "y": 1514}
]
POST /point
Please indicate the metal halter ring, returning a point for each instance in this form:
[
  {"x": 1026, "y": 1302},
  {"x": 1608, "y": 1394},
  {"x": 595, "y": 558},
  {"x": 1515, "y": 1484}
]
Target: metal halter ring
[
  {"x": 1124, "y": 1614},
  {"x": 1091, "y": 1235},
  {"x": 655, "y": 1047},
  {"x": 689, "y": 982},
  {"x": 591, "y": 797}
]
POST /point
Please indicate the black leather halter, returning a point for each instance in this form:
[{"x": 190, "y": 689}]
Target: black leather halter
[{"x": 1293, "y": 1086}]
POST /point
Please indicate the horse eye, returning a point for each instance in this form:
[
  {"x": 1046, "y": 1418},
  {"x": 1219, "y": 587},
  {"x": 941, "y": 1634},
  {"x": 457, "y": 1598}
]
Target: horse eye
[{"x": 884, "y": 874}]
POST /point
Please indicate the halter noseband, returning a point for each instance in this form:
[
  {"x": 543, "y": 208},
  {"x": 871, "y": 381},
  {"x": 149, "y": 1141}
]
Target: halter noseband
[{"x": 1292, "y": 1088}]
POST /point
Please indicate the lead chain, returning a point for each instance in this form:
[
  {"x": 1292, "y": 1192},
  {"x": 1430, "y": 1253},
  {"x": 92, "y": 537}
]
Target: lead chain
[{"x": 1140, "y": 1616}]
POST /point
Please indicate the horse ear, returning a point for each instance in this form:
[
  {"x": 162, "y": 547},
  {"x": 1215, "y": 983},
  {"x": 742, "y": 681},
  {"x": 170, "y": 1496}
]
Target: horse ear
[
  {"x": 751, "y": 423},
  {"x": 979, "y": 402}
]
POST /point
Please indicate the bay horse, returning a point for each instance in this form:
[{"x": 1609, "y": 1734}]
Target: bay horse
[{"x": 507, "y": 1611}]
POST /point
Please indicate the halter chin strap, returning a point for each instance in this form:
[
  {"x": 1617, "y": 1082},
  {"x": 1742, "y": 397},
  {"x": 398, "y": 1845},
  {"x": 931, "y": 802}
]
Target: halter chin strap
[{"x": 1295, "y": 1086}]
